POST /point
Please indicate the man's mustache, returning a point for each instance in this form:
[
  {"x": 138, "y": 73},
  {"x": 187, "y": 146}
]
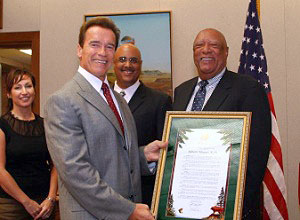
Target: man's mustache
[{"x": 128, "y": 69}]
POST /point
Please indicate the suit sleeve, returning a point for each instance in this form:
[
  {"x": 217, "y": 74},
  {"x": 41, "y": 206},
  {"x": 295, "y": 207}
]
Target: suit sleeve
[
  {"x": 162, "y": 108},
  {"x": 256, "y": 101},
  {"x": 183, "y": 94},
  {"x": 68, "y": 148},
  {"x": 145, "y": 169},
  {"x": 176, "y": 103}
]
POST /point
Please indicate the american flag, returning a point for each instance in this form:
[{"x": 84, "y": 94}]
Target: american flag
[{"x": 253, "y": 62}]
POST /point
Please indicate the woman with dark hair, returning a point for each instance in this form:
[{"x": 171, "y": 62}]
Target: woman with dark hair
[{"x": 28, "y": 178}]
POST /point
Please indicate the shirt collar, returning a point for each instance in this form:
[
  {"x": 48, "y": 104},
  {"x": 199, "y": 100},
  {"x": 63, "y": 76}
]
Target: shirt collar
[
  {"x": 93, "y": 80},
  {"x": 129, "y": 92},
  {"x": 215, "y": 79}
]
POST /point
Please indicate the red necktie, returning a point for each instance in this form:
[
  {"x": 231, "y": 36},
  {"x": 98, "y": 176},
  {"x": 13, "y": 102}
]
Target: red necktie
[{"x": 111, "y": 104}]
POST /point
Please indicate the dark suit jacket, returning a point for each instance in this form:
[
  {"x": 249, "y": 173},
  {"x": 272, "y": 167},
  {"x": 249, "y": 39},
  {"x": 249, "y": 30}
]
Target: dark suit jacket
[
  {"x": 148, "y": 108},
  {"x": 237, "y": 92}
]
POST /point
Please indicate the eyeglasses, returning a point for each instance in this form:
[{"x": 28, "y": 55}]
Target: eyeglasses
[{"x": 132, "y": 60}]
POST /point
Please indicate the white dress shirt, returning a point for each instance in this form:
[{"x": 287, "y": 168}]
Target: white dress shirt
[
  {"x": 129, "y": 92},
  {"x": 212, "y": 84},
  {"x": 97, "y": 84}
]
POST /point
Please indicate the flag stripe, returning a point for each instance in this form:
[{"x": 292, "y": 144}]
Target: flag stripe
[
  {"x": 270, "y": 98},
  {"x": 276, "y": 152},
  {"x": 270, "y": 207},
  {"x": 253, "y": 62},
  {"x": 275, "y": 129},
  {"x": 277, "y": 174},
  {"x": 276, "y": 196},
  {"x": 265, "y": 213}
]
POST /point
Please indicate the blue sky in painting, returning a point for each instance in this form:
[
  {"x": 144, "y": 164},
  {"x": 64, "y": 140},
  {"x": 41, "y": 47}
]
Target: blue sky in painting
[{"x": 152, "y": 36}]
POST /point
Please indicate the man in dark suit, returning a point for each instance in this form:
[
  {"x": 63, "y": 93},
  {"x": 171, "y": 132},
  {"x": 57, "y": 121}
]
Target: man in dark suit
[
  {"x": 92, "y": 137},
  {"x": 224, "y": 90},
  {"x": 147, "y": 105}
]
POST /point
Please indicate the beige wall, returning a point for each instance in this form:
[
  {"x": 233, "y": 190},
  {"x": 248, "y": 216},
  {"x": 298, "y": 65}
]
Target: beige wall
[
  {"x": 19, "y": 15},
  {"x": 290, "y": 94},
  {"x": 59, "y": 21}
]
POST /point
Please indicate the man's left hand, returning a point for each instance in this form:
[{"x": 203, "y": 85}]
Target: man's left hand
[{"x": 152, "y": 150}]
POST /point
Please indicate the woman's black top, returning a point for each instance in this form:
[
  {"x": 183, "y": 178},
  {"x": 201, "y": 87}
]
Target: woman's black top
[{"x": 27, "y": 156}]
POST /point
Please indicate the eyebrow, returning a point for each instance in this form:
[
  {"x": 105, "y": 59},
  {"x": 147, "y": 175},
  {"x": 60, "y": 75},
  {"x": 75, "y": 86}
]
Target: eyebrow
[
  {"x": 128, "y": 57},
  {"x": 99, "y": 42},
  {"x": 112, "y": 44},
  {"x": 94, "y": 41},
  {"x": 215, "y": 42}
]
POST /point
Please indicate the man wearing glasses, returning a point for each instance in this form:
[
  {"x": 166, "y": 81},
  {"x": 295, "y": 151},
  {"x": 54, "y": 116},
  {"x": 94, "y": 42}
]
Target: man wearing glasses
[{"x": 147, "y": 105}]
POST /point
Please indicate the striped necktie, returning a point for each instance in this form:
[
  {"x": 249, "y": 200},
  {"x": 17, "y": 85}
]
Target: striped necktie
[{"x": 200, "y": 96}]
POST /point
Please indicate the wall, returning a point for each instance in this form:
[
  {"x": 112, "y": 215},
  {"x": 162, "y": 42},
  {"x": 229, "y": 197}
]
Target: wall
[
  {"x": 292, "y": 82},
  {"x": 19, "y": 15},
  {"x": 59, "y": 21}
]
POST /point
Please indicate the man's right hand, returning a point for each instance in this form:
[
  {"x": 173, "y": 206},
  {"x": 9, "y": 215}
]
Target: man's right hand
[{"x": 141, "y": 212}]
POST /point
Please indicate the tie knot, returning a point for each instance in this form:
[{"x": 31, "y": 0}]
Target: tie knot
[
  {"x": 202, "y": 84},
  {"x": 104, "y": 86},
  {"x": 122, "y": 93}
]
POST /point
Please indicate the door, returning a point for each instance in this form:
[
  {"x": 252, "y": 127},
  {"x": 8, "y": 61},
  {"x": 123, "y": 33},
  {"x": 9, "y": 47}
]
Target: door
[{"x": 11, "y": 57}]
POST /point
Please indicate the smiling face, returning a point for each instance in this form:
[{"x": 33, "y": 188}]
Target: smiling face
[
  {"x": 210, "y": 53},
  {"x": 22, "y": 93},
  {"x": 127, "y": 65},
  {"x": 96, "y": 55}
]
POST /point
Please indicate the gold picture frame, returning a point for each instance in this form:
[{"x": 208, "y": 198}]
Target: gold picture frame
[{"x": 202, "y": 173}]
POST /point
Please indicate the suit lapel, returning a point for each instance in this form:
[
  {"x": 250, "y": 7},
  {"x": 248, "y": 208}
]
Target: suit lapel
[
  {"x": 188, "y": 91},
  {"x": 124, "y": 114},
  {"x": 138, "y": 98},
  {"x": 94, "y": 98},
  {"x": 220, "y": 93}
]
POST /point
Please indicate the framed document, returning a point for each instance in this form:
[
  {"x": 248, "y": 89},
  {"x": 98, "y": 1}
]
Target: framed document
[{"x": 202, "y": 173}]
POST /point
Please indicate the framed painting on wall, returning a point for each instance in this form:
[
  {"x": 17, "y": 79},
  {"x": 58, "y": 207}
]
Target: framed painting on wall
[
  {"x": 151, "y": 33},
  {"x": 202, "y": 173}
]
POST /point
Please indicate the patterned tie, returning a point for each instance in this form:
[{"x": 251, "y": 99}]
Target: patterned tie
[
  {"x": 111, "y": 104},
  {"x": 200, "y": 96},
  {"x": 122, "y": 93}
]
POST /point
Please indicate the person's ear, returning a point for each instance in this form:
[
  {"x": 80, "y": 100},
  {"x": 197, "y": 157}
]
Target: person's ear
[
  {"x": 227, "y": 51},
  {"x": 79, "y": 51}
]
